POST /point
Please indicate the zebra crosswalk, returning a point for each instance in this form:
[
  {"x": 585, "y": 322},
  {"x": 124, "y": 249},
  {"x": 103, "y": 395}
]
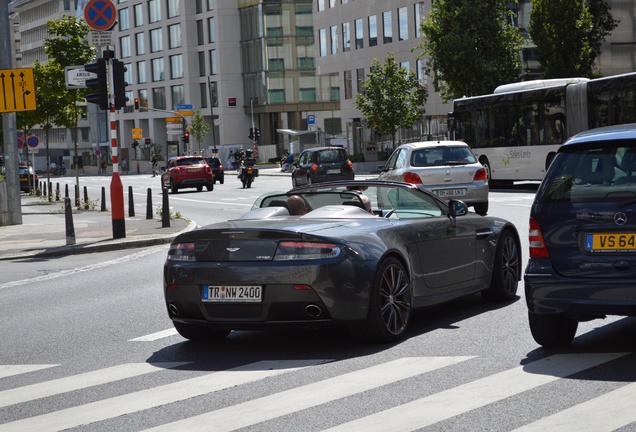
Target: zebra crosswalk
[{"x": 254, "y": 413}]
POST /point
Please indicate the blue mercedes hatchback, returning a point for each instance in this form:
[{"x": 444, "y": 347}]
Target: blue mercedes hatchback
[{"x": 582, "y": 236}]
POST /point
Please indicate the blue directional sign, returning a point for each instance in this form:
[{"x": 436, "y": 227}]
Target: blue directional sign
[{"x": 183, "y": 106}]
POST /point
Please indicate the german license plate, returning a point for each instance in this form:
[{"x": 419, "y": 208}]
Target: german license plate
[
  {"x": 193, "y": 169},
  {"x": 232, "y": 293},
  {"x": 333, "y": 171},
  {"x": 450, "y": 192},
  {"x": 610, "y": 242}
]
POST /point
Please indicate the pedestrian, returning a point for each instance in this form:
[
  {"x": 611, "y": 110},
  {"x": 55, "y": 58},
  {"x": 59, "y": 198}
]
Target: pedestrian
[
  {"x": 230, "y": 161},
  {"x": 63, "y": 168},
  {"x": 103, "y": 167},
  {"x": 153, "y": 161},
  {"x": 124, "y": 166}
]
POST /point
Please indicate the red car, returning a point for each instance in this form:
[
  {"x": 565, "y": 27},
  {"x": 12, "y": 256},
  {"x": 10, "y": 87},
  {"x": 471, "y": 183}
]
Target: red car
[{"x": 187, "y": 172}]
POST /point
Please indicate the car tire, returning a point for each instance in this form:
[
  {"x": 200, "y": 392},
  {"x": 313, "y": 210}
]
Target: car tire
[
  {"x": 389, "y": 305},
  {"x": 199, "y": 333},
  {"x": 552, "y": 331},
  {"x": 294, "y": 182},
  {"x": 505, "y": 270},
  {"x": 481, "y": 208},
  {"x": 222, "y": 180},
  {"x": 199, "y": 188},
  {"x": 210, "y": 187},
  {"x": 173, "y": 187}
]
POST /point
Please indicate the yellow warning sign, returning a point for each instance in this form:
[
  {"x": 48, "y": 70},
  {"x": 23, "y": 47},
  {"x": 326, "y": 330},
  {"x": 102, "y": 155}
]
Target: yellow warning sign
[{"x": 17, "y": 90}]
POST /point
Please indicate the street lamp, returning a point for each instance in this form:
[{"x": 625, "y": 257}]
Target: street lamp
[{"x": 213, "y": 101}]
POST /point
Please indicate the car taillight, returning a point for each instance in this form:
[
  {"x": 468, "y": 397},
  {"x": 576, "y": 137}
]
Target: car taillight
[
  {"x": 182, "y": 252},
  {"x": 314, "y": 168},
  {"x": 538, "y": 248},
  {"x": 480, "y": 174},
  {"x": 412, "y": 178},
  {"x": 349, "y": 164},
  {"x": 291, "y": 251}
]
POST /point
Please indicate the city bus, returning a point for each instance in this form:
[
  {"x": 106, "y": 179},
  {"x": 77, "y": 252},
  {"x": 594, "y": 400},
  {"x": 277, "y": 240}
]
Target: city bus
[{"x": 516, "y": 131}]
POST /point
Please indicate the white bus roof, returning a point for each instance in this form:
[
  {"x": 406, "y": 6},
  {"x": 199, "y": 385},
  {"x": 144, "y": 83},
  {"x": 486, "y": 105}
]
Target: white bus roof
[{"x": 535, "y": 84}]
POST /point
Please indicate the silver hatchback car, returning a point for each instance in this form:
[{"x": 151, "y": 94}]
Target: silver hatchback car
[{"x": 447, "y": 168}]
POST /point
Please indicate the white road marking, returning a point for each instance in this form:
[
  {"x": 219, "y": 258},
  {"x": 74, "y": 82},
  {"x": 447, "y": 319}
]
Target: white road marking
[
  {"x": 10, "y": 370},
  {"x": 155, "y": 336},
  {"x": 156, "y": 396},
  {"x": 476, "y": 394},
  {"x": 304, "y": 397},
  {"x": 80, "y": 381},
  {"x": 609, "y": 412}
]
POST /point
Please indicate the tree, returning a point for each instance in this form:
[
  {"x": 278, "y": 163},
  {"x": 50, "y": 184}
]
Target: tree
[
  {"x": 391, "y": 97},
  {"x": 472, "y": 46},
  {"x": 602, "y": 25},
  {"x": 198, "y": 127},
  {"x": 561, "y": 30},
  {"x": 57, "y": 105}
]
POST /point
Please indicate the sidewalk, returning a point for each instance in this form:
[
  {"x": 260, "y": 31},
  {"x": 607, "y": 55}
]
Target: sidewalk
[{"x": 43, "y": 231}]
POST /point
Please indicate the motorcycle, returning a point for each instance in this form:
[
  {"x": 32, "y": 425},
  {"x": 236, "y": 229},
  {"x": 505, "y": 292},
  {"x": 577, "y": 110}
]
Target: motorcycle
[{"x": 247, "y": 172}]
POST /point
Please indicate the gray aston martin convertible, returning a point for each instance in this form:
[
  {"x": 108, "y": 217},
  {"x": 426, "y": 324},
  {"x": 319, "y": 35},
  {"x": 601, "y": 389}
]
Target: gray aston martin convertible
[{"x": 363, "y": 254}]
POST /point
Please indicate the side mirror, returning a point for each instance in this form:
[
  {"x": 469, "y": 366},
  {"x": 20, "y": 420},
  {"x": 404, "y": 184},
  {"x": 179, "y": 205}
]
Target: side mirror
[
  {"x": 382, "y": 168},
  {"x": 457, "y": 208}
]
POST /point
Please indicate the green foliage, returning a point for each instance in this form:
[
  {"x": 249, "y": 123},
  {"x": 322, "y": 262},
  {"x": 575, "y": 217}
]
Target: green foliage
[
  {"x": 561, "y": 30},
  {"x": 602, "y": 25},
  {"x": 198, "y": 127},
  {"x": 391, "y": 97},
  {"x": 472, "y": 46}
]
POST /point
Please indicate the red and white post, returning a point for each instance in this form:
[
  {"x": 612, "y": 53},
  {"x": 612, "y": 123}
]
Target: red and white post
[{"x": 116, "y": 187}]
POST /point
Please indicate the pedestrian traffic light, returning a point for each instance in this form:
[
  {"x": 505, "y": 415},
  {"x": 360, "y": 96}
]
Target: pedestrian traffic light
[
  {"x": 119, "y": 82},
  {"x": 136, "y": 103},
  {"x": 186, "y": 137},
  {"x": 100, "y": 83}
]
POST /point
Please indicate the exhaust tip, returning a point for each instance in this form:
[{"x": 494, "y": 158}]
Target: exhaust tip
[
  {"x": 313, "y": 310},
  {"x": 174, "y": 310}
]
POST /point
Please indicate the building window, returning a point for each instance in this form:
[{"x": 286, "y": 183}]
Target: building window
[
  {"x": 359, "y": 79},
  {"x": 403, "y": 23},
  {"x": 332, "y": 3},
  {"x": 211, "y": 5},
  {"x": 387, "y": 27},
  {"x": 321, "y": 5},
  {"x": 306, "y": 63},
  {"x": 373, "y": 30},
  {"x": 141, "y": 72},
  {"x": 175, "y": 35},
  {"x": 276, "y": 64},
  {"x": 128, "y": 75},
  {"x": 203, "y": 89},
  {"x": 125, "y": 46},
  {"x": 141, "y": 44},
  {"x": 154, "y": 11},
  {"x": 213, "y": 70},
  {"x": 334, "y": 40},
  {"x": 158, "y": 98},
  {"x": 200, "y": 40},
  {"x": 211, "y": 30},
  {"x": 124, "y": 21},
  {"x": 359, "y": 34},
  {"x": 139, "y": 15},
  {"x": 419, "y": 15},
  {"x": 277, "y": 96},
  {"x": 173, "y": 8},
  {"x": 129, "y": 108},
  {"x": 178, "y": 94},
  {"x": 308, "y": 94},
  {"x": 322, "y": 34},
  {"x": 156, "y": 40},
  {"x": 347, "y": 85},
  {"x": 143, "y": 98},
  {"x": 201, "y": 63},
  {"x": 176, "y": 66},
  {"x": 158, "y": 72},
  {"x": 346, "y": 37}
]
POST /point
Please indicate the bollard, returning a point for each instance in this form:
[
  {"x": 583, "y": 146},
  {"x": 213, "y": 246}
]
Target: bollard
[
  {"x": 68, "y": 216},
  {"x": 86, "y": 206},
  {"x": 165, "y": 209},
  {"x": 65, "y": 191},
  {"x": 103, "y": 198},
  {"x": 149, "y": 204},
  {"x": 131, "y": 203},
  {"x": 44, "y": 193},
  {"x": 57, "y": 191},
  {"x": 137, "y": 167},
  {"x": 77, "y": 197}
]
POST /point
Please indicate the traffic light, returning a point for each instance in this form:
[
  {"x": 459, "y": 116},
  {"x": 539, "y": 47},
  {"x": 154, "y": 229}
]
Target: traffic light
[
  {"x": 136, "y": 103},
  {"x": 119, "y": 82},
  {"x": 251, "y": 135},
  {"x": 100, "y": 83},
  {"x": 257, "y": 134},
  {"x": 186, "y": 137}
]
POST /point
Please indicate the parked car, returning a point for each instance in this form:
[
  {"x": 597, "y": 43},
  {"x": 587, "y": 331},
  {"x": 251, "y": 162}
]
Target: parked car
[
  {"x": 583, "y": 235},
  {"x": 322, "y": 164},
  {"x": 187, "y": 172},
  {"x": 448, "y": 168},
  {"x": 27, "y": 177},
  {"x": 315, "y": 256},
  {"x": 217, "y": 168}
]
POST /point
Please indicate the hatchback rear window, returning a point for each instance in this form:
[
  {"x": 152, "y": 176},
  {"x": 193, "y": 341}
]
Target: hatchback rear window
[
  {"x": 190, "y": 161},
  {"x": 333, "y": 155},
  {"x": 439, "y": 156},
  {"x": 585, "y": 174}
]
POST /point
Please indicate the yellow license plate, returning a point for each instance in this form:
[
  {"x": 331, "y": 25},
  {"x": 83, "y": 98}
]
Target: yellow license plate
[{"x": 608, "y": 242}]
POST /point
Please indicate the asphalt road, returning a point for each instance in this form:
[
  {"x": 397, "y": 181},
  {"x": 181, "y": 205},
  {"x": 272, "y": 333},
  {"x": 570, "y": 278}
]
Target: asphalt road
[{"x": 87, "y": 346}]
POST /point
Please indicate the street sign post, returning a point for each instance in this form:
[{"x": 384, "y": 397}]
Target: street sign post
[
  {"x": 185, "y": 113},
  {"x": 183, "y": 106},
  {"x": 100, "y": 15},
  {"x": 174, "y": 119},
  {"x": 136, "y": 133},
  {"x": 100, "y": 38}
]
